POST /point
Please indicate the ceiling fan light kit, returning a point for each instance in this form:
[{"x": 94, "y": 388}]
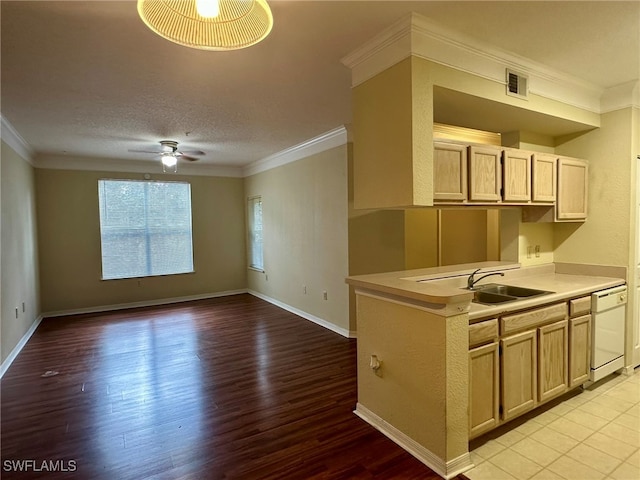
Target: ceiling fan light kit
[
  {"x": 169, "y": 161},
  {"x": 169, "y": 155},
  {"x": 208, "y": 24}
]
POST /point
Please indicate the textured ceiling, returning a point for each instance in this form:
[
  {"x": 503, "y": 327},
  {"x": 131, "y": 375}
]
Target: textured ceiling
[{"x": 88, "y": 79}]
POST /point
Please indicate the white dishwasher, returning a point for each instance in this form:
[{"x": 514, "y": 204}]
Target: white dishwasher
[{"x": 608, "y": 309}]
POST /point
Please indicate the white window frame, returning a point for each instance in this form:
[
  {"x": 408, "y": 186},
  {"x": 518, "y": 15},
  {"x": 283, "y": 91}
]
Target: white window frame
[{"x": 255, "y": 237}]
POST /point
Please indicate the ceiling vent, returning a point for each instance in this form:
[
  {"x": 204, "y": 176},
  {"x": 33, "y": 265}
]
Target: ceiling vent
[{"x": 517, "y": 84}]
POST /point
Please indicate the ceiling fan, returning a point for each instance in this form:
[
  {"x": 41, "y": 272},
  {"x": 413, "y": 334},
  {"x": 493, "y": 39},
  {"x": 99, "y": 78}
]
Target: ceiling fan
[{"x": 169, "y": 153}]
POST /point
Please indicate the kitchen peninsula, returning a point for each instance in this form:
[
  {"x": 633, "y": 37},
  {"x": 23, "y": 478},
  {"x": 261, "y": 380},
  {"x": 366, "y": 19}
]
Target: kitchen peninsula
[{"x": 413, "y": 347}]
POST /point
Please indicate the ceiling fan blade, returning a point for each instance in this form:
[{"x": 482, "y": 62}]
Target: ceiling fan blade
[
  {"x": 188, "y": 158},
  {"x": 154, "y": 152},
  {"x": 192, "y": 152}
]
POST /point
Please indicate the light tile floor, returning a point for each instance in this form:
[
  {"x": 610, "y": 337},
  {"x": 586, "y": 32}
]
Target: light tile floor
[{"x": 591, "y": 434}]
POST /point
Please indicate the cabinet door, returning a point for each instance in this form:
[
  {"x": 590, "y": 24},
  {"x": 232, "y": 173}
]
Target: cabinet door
[
  {"x": 516, "y": 182},
  {"x": 573, "y": 176},
  {"x": 579, "y": 350},
  {"x": 518, "y": 362},
  {"x": 449, "y": 171},
  {"x": 485, "y": 176},
  {"x": 543, "y": 169},
  {"x": 484, "y": 393},
  {"x": 553, "y": 361}
]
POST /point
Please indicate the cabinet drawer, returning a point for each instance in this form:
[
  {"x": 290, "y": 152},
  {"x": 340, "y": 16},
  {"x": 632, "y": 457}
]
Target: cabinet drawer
[
  {"x": 532, "y": 318},
  {"x": 579, "y": 306},
  {"x": 483, "y": 332}
]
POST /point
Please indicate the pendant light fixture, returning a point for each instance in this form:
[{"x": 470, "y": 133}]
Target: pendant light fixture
[{"x": 208, "y": 24}]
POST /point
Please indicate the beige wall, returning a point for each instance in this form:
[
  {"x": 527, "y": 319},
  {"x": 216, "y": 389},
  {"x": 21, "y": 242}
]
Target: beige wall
[
  {"x": 532, "y": 234},
  {"x": 604, "y": 237},
  {"x": 304, "y": 207},
  {"x": 69, "y": 237},
  {"x": 19, "y": 283},
  {"x": 463, "y": 236},
  {"x": 417, "y": 349},
  {"x": 421, "y": 238},
  {"x": 607, "y": 237}
]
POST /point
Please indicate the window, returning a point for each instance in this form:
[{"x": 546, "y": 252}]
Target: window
[
  {"x": 255, "y": 233},
  {"x": 145, "y": 228}
]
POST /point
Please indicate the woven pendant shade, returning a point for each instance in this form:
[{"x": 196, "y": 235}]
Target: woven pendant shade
[{"x": 240, "y": 24}]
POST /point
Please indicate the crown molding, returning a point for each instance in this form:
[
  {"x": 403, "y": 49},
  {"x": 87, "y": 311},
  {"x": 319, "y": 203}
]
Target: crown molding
[
  {"x": 60, "y": 162},
  {"x": 333, "y": 138},
  {"x": 416, "y": 35},
  {"x": 12, "y": 138},
  {"x": 622, "y": 96}
]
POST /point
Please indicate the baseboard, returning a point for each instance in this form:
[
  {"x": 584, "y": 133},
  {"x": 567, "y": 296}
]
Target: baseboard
[
  {"x": 443, "y": 468},
  {"x": 18, "y": 348},
  {"x": 147, "y": 303},
  {"x": 307, "y": 316}
]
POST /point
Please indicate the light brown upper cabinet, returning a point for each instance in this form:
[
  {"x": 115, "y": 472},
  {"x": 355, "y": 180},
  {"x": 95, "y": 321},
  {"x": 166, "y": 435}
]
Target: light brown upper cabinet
[
  {"x": 517, "y": 175},
  {"x": 485, "y": 175},
  {"x": 573, "y": 175},
  {"x": 449, "y": 171},
  {"x": 548, "y": 187},
  {"x": 544, "y": 177}
]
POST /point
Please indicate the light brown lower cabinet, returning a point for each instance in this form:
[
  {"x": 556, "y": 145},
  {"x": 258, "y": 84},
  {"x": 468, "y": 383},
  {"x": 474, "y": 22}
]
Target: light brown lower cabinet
[
  {"x": 553, "y": 360},
  {"x": 518, "y": 365},
  {"x": 484, "y": 392},
  {"x": 521, "y": 360},
  {"x": 580, "y": 350}
]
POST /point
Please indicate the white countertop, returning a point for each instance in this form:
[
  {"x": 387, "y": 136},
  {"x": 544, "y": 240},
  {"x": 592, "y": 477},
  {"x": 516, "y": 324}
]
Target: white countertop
[
  {"x": 445, "y": 285},
  {"x": 564, "y": 287}
]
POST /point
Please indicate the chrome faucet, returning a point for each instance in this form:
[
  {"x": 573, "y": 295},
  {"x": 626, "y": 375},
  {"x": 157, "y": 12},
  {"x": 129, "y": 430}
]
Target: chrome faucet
[{"x": 471, "y": 281}]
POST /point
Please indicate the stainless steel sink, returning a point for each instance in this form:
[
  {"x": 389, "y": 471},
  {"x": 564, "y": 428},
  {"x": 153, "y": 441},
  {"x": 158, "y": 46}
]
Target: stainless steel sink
[
  {"x": 493, "y": 293},
  {"x": 488, "y": 298}
]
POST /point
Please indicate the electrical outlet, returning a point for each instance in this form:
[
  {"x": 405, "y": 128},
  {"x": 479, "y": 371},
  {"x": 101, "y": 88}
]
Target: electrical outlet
[
  {"x": 16, "y": 312},
  {"x": 537, "y": 250},
  {"x": 529, "y": 251},
  {"x": 266, "y": 277},
  {"x": 324, "y": 294},
  {"x": 23, "y": 307},
  {"x": 304, "y": 289}
]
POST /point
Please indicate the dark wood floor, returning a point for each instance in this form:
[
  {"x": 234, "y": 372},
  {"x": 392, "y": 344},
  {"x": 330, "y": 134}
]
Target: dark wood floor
[{"x": 224, "y": 388}]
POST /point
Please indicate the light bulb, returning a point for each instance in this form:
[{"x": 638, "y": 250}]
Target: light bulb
[
  {"x": 208, "y": 8},
  {"x": 169, "y": 160}
]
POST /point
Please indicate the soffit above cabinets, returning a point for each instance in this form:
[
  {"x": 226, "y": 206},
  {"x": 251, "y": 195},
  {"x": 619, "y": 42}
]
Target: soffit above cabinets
[{"x": 456, "y": 108}]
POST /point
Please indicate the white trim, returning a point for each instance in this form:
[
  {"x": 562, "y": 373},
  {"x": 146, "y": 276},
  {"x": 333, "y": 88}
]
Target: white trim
[
  {"x": 416, "y": 35},
  {"x": 58, "y": 162},
  {"x": 12, "y": 138},
  {"x": 18, "y": 348},
  {"x": 147, "y": 303},
  {"x": 307, "y": 316},
  {"x": 621, "y": 96},
  {"x": 332, "y": 138},
  {"x": 443, "y": 468}
]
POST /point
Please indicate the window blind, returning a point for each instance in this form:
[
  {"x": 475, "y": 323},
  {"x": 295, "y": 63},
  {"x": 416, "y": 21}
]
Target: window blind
[
  {"x": 255, "y": 233},
  {"x": 145, "y": 228}
]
